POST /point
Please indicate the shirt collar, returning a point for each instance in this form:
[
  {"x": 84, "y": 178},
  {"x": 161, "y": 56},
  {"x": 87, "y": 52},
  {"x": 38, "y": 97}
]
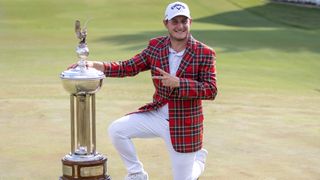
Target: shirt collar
[{"x": 172, "y": 51}]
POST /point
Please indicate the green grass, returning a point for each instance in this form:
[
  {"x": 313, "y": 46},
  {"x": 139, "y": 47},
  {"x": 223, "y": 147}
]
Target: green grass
[{"x": 268, "y": 77}]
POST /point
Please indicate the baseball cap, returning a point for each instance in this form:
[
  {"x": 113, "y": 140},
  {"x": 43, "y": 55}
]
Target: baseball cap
[{"x": 177, "y": 9}]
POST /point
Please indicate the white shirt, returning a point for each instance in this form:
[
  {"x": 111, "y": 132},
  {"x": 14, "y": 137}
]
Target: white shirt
[{"x": 174, "y": 62}]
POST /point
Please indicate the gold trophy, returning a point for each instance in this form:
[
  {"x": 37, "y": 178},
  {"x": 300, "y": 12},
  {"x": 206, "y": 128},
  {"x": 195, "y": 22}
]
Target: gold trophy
[{"x": 83, "y": 162}]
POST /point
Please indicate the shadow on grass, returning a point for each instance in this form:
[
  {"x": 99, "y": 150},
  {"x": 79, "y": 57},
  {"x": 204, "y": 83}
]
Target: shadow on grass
[
  {"x": 282, "y": 37},
  {"x": 268, "y": 15},
  {"x": 232, "y": 40}
]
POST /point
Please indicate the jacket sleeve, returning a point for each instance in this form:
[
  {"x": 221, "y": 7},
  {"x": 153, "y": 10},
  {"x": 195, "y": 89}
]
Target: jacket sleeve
[
  {"x": 129, "y": 67},
  {"x": 205, "y": 86}
]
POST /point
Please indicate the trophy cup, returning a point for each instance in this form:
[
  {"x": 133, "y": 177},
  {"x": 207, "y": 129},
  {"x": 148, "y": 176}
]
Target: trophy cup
[{"x": 83, "y": 162}]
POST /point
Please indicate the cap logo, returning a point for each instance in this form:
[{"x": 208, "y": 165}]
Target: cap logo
[{"x": 178, "y": 6}]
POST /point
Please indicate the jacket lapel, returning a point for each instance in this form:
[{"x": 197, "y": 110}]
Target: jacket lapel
[
  {"x": 187, "y": 57},
  {"x": 164, "y": 55}
]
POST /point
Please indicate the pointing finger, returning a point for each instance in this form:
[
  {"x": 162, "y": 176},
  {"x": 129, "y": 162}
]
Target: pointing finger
[
  {"x": 162, "y": 71},
  {"x": 157, "y": 77}
]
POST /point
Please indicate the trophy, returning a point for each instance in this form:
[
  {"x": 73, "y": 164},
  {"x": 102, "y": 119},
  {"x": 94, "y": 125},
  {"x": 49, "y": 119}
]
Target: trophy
[{"x": 82, "y": 82}]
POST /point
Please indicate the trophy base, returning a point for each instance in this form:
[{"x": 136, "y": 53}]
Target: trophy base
[
  {"x": 85, "y": 169},
  {"x": 105, "y": 178}
]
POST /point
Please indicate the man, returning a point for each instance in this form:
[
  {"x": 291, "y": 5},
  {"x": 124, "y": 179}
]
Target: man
[{"x": 183, "y": 73}]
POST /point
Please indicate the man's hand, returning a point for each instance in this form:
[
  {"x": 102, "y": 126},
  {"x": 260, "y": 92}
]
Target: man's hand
[
  {"x": 90, "y": 64},
  {"x": 167, "y": 79}
]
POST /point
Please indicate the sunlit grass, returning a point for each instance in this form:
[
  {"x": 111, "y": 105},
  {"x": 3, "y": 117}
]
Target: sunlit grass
[{"x": 268, "y": 79}]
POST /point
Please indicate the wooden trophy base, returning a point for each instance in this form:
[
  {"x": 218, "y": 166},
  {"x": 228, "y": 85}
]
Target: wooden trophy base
[{"x": 86, "y": 170}]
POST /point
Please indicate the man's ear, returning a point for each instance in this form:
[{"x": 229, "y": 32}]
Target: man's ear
[
  {"x": 165, "y": 22},
  {"x": 190, "y": 21}
]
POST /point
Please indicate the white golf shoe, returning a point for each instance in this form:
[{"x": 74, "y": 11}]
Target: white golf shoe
[{"x": 137, "y": 176}]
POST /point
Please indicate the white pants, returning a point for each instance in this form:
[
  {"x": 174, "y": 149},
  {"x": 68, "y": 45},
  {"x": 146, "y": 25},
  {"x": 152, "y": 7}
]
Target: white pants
[{"x": 150, "y": 125}]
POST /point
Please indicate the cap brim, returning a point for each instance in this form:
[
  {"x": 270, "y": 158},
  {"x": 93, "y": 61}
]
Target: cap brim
[{"x": 178, "y": 14}]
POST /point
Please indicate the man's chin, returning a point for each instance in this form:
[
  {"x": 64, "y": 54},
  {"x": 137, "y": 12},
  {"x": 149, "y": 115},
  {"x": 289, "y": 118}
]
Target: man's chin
[{"x": 179, "y": 38}]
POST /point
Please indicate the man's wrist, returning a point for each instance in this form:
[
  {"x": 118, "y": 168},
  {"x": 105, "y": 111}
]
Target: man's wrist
[
  {"x": 177, "y": 84},
  {"x": 98, "y": 65},
  {"x": 104, "y": 66}
]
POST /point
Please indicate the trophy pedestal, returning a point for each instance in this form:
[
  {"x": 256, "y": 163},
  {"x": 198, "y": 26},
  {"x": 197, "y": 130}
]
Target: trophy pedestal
[{"x": 84, "y": 167}]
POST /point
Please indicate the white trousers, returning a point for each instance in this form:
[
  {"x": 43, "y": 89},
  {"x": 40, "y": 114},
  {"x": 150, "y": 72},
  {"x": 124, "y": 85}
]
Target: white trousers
[{"x": 150, "y": 125}]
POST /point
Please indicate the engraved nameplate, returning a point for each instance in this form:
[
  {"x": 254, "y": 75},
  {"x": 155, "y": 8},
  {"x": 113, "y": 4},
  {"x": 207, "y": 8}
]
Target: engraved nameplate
[
  {"x": 67, "y": 170},
  {"x": 91, "y": 171}
]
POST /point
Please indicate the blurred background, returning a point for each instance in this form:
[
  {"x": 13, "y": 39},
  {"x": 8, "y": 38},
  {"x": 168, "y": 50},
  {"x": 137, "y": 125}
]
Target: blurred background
[{"x": 264, "y": 123}]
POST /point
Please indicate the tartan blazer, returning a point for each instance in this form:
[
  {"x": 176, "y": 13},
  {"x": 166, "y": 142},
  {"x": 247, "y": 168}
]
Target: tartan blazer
[{"x": 197, "y": 74}]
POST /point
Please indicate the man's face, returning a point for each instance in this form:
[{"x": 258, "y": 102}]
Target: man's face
[{"x": 178, "y": 27}]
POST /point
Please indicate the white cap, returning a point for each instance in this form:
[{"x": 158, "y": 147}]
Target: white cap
[{"x": 177, "y": 9}]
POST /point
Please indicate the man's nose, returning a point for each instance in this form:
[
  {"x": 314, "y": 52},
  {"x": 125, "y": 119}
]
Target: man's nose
[{"x": 180, "y": 25}]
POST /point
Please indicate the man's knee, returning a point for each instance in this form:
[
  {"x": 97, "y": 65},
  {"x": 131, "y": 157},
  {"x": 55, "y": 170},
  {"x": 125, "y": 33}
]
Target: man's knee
[{"x": 115, "y": 130}]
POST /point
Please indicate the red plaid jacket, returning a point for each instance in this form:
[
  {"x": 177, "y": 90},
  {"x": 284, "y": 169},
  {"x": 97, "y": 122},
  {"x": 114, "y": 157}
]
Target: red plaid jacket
[{"x": 197, "y": 75}]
